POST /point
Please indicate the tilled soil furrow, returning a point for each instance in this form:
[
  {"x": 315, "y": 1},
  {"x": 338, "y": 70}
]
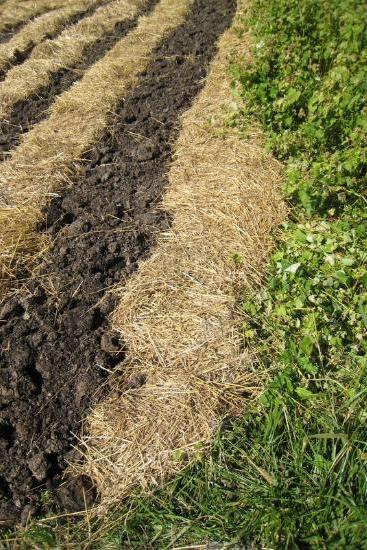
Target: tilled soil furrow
[
  {"x": 20, "y": 56},
  {"x": 56, "y": 347},
  {"x": 67, "y": 49},
  {"x": 53, "y": 150},
  {"x": 18, "y": 13},
  {"x": 34, "y": 108},
  {"x": 8, "y": 32}
]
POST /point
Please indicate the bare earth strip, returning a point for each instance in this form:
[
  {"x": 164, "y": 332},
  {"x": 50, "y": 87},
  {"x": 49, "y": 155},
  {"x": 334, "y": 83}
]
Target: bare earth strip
[
  {"x": 51, "y": 152},
  {"x": 178, "y": 314},
  {"x": 52, "y": 55},
  {"x": 16, "y": 11},
  {"x": 41, "y": 27}
]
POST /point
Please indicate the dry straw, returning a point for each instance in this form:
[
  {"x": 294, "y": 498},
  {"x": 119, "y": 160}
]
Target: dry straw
[
  {"x": 38, "y": 29},
  {"x": 17, "y": 11},
  {"x": 51, "y": 152},
  {"x": 51, "y": 55},
  {"x": 178, "y": 315}
]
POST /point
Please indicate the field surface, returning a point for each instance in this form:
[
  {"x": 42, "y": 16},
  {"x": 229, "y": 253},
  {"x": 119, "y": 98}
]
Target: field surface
[
  {"x": 81, "y": 179},
  {"x": 183, "y": 303}
]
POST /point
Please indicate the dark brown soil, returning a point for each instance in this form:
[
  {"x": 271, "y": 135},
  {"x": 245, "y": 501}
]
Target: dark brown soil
[
  {"x": 28, "y": 112},
  {"x": 21, "y": 55},
  {"x": 56, "y": 348},
  {"x": 8, "y": 32}
]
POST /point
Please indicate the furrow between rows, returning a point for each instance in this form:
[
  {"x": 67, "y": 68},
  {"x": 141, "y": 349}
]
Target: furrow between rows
[
  {"x": 52, "y": 55},
  {"x": 16, "y": 12},
  {"x": 46, "y": 26},
  {"x": 114, "y": 22},
  {"x": 51, "y": 152}
]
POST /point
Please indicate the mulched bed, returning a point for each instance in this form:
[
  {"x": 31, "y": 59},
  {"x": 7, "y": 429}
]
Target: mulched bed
[
  {"x": 29, "y": 111},
  {"x": 10, "y": 30},
  {"x": 56, "y": 345},
  {"x": 20, "y": 56}
]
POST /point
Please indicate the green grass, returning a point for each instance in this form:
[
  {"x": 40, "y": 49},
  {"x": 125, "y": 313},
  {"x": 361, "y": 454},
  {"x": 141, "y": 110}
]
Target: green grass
[{"x": 293, "y": 472}]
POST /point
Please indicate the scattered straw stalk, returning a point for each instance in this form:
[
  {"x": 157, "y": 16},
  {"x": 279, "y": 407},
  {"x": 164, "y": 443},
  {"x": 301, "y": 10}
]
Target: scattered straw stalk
[
  {"x": 50, "y": 153},
  {"x": 178, "y": 315}
]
